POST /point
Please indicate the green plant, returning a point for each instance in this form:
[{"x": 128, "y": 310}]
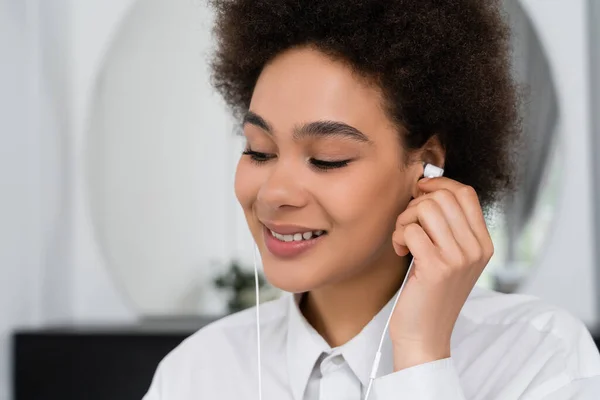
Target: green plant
[{"x": 239, "y": 282}]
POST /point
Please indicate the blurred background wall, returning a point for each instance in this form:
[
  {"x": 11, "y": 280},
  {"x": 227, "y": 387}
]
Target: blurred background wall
[
  {"x": 567, "y": 272},
  {"x": 54, "y": 266}
]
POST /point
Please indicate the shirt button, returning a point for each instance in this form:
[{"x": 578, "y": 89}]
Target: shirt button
[
  {"x": 337, "y": 360},
  {"x": 331, "y": 362}
]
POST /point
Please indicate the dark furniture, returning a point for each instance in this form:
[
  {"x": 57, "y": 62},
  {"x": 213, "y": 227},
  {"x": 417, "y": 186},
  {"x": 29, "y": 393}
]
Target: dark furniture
[{"x": 93, "y": 363}]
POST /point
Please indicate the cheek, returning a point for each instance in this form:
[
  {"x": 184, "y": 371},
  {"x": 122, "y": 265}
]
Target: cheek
[
  {"x": 366, "y": 200},
  {"x": 246, "y": 184}
]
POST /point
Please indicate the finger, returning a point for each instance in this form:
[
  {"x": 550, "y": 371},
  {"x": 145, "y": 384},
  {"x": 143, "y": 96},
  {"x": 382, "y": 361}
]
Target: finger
[
  {"x": 466, "y": 196},
  {"x": 457, "y": 220},
  {"x": 428, "y": 185},
  {"x": 399, "y": 243},
  {"x": 429, "y": 215},
  {"x": 421, "y": 247},
  {"x": 469, "y": 202}
]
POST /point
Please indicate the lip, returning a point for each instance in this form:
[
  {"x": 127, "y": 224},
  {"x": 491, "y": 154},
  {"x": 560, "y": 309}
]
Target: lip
[
  {"x": 288, "y": 229},
  {"x": 288, "y": 249}
]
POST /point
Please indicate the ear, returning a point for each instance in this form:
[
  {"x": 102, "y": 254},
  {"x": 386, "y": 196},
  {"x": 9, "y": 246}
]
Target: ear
[{"x": 432, "y": 152}]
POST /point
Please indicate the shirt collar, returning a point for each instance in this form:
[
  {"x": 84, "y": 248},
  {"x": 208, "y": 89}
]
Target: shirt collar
[
  {"x": 305, "y": 345},
  {"x": 360, "y": 351},
  {"x": 303, "y": 348}
]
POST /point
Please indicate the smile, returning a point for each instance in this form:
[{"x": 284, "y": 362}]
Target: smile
[
  {"x": 297, "y": 237},
  {"x": 291, "y": 245}
]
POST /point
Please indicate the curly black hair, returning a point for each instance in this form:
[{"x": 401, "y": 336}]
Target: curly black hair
[{"x": 443, "y": 67}]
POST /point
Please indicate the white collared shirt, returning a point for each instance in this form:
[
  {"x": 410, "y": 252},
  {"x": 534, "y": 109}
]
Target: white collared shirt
[{"x": 503, "y": 347}]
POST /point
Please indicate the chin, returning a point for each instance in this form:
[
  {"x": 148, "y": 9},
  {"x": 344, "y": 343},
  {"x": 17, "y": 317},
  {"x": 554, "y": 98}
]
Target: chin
[{"x": 294, "y": 277}]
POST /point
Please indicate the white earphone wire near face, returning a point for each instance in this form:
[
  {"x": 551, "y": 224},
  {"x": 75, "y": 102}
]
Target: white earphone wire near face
[
  {"x": 256, "y": 285},
  {"x": 375, "y": 366},
  {"x": 429, "y": 171}
]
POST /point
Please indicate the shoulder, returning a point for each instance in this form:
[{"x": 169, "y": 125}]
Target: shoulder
[
  {"x": 524, "y": 324},
  {"x": 227, "y": 337},
  {"x": 490, "y": 307}
]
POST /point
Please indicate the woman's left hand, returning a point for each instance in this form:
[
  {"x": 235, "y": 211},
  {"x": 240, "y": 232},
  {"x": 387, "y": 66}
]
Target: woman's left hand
[{"x": 445, "y": 231}]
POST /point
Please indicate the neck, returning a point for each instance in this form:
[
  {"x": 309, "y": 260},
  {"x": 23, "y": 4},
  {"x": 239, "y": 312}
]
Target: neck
[{"x": 339, "y": 312}]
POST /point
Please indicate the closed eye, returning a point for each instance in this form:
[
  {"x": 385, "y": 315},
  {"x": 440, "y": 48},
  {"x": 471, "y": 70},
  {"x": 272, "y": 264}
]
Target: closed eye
[
  {"x": 258, "y": 157},
  {"x": 327, "y": 165},
  {"x": 321, "y": 165}
]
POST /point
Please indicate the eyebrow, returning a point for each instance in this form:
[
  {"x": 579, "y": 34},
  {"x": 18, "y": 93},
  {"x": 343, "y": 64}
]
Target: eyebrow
[{"x": 313, "y": 129}]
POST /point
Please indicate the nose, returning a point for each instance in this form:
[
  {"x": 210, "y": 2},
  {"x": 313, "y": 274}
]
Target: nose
[{"x": 283, "y": 188}]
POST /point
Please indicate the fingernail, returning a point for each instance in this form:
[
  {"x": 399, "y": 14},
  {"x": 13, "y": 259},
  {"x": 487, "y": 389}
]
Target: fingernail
[{"x": 425, "y": 180}]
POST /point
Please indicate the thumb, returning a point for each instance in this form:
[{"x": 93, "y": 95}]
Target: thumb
[{"x": 399, "y": 242}]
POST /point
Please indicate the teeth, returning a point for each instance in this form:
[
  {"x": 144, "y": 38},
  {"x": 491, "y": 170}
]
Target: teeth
[{"x": 297, "y": 237}]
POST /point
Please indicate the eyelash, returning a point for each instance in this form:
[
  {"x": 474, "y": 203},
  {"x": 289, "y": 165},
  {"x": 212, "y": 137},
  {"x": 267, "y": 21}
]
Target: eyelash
[{"x": 261, "y": 158}]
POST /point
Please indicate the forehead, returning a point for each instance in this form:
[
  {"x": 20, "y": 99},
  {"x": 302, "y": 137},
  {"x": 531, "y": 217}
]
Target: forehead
[{"x": 303, "y": 85}]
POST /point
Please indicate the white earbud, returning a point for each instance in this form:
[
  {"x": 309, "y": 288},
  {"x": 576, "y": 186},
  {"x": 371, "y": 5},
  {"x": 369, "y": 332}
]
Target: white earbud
[{"x": 431, "y": 171}]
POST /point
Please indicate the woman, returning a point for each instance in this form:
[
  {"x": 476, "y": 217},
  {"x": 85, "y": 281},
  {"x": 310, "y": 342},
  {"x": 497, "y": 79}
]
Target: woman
[{"x": 341, "y": 102}]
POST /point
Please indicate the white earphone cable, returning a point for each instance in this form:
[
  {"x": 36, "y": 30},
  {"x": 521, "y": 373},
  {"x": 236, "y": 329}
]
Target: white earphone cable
[
  {"x": 385, "y": 329},
  {"x": 429, "y": 171},
  {"x": 254, "y": 251}
]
